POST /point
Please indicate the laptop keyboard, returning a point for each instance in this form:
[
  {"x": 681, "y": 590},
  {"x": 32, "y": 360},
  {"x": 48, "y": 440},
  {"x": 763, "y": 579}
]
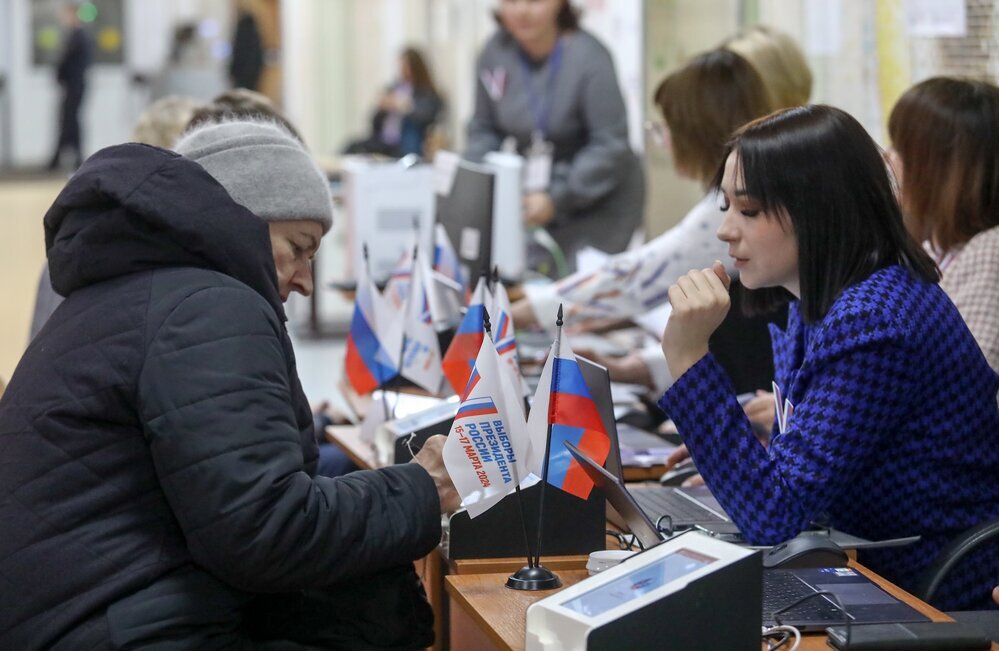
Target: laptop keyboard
[
  {"x": 660, "y": 500},
  {"x": 782, "y": 588}
]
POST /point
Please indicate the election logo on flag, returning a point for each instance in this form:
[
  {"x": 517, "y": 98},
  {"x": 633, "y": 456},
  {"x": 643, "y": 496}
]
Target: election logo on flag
[
  {"x": 397, "y": 287},
  {"x": 421, "y": 353},
  {"x": 370, "y": 360},
  {"x": 446, "y": 261},
  {"x": 564, "y": 401},
  {"x": 487, "y": 446},
  {"x": 505, "y": 340},
  {"x": 477, "y": 407},
  {"x": 460, "y": 356}
]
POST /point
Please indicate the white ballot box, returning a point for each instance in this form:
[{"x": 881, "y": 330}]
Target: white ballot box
[{"x": 690, "y": 592}]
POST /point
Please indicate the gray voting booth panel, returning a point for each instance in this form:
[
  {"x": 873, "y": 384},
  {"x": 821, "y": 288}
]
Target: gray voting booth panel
[{"x": 720, "y": 610}]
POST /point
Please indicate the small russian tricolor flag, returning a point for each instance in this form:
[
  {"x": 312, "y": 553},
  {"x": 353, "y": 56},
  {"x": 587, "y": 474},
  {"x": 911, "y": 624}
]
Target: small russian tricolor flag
[{"x": 477, "y": 408}]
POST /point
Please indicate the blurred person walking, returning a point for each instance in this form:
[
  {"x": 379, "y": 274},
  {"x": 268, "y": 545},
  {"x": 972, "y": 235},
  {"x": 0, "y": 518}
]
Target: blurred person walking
[
  {"x": 247, "y": 62},
  {"x": 71, "y": 73}
]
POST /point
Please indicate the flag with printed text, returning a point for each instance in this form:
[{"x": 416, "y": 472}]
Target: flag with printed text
[
  {"x": 487, "y": 447},
  {"x": 421, "y": 354}
]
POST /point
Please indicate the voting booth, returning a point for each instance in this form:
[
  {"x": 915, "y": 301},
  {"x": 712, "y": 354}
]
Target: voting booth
[{"x": 691, "y": 592}]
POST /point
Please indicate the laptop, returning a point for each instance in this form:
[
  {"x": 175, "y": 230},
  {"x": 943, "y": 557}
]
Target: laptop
[
  {"x": 864, "y": 601},
  {"x": 686, "y": 507}
]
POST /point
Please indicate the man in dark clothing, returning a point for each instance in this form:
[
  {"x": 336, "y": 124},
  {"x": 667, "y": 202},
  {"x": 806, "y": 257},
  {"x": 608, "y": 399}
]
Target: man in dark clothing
[
  {"x": 247, "y": 53},
  {"x": 71, "y": 73},
  {"x": 157, "y": 456}
]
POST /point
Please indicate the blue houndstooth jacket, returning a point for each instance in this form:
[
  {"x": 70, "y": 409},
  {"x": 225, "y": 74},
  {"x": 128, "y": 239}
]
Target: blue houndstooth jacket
[{"x": 894, "y": 432}]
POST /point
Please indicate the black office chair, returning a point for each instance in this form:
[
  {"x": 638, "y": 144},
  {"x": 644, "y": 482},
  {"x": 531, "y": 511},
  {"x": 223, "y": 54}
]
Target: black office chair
[
  {"x": 954, "y": 553},
  {"x": 948, "y": 559}
]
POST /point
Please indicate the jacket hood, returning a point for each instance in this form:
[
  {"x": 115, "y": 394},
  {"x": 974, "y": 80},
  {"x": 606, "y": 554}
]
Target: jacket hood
[{"x": 134, "y": 208}]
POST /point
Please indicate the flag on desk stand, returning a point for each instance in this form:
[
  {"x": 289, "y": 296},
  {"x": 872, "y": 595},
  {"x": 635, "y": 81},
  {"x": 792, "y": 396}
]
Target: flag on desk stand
[
  {"x": 461, "y": 354},
  {"x": 487, "y": 446},
  {"x": 446, "y": 261},
  {"x": 372, "y": 349},
  {"x": 446, "y": 298},
  {"x": 376, "y": 414},
  {"x": 504, "y": 337},
  {"x": 564, "y": 407},
  {"x": 397, "y": 287},
  {"x": 421, "y": 354}
]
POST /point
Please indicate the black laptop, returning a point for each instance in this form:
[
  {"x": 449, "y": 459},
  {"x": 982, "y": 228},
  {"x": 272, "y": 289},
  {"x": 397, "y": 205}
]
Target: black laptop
[
  {"x": 686, "y": 507},
  {"x": 864, "y": 601}
]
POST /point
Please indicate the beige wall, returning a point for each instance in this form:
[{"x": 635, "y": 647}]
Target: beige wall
[
  {"x": 675, "y": 30},
  {"x": 22, "y": 253}
]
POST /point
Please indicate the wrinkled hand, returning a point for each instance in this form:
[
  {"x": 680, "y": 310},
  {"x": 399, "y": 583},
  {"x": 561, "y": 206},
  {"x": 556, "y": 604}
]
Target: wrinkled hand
[
  {"x": 430, "y": 457},
  {"x": 761, "y": 411},
  {"x": 677, "y": 456},
  {"x": 523, "y": 314},
  {"x": 700, "y": 302},
  {"x": 598, "y": 325},
  {"x": 630, "y": 368},
  {"x": 539, "y": 209}
]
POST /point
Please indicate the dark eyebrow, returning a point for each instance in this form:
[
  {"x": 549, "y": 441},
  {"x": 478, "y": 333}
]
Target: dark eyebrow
[{"x": 741, "y": 192}]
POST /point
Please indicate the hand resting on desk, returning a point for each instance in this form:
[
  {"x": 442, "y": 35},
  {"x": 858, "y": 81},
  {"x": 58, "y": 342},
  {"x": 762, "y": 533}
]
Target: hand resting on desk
[{"x": 630, "y": 368}]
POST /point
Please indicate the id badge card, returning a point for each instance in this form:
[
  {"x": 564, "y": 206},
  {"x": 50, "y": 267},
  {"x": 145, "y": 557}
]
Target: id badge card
[{"x": 538, "y": 166}]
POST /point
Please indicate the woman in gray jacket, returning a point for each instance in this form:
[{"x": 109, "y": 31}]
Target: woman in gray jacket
[{"x": 552, "y": 87}]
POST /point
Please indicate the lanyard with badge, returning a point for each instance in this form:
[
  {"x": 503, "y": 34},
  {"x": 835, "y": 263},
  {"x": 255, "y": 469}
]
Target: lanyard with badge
[{"x": 538, "y": 167}]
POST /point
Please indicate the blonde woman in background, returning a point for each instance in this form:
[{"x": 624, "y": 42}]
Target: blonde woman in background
[
  {"x": 778, "y": 59},
  {"x": 696, "y": 129},
  {"x": 163, "y": 121}
]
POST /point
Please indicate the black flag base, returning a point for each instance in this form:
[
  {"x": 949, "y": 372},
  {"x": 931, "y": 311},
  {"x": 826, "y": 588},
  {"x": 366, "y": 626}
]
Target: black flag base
[{"x": 536, "y": 577}]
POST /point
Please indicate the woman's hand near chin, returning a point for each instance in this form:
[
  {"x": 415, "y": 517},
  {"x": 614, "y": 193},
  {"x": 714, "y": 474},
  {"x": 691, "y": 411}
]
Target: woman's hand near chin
[{"x": 700, "y": 302}]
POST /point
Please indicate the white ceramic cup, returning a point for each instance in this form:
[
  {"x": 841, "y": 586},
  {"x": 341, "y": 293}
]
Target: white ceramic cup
[{"x": 606, "y": 558}]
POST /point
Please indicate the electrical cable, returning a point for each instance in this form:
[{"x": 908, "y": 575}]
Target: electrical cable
[{"x": 831, "y": 597}]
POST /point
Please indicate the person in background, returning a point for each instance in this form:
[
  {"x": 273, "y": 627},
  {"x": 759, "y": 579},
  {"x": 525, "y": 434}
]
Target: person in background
[
  {"x": 247, "y": 62},
  {"x": 159, "y": 485},
  {"x": 165, "y": 120},
  {"x": 551, "y": 86},
  {"x": 702, "y": 104},
  {"x": 160, "y": 125},
  {"x": 242, "y": 103},
  {"x": 944, "y": 134},
  {"x": 71, "y": 73},
  {"x": 871, "y": 438},
  {"x": 406, "y": 111},
  {"x": 778, "y": 59}
]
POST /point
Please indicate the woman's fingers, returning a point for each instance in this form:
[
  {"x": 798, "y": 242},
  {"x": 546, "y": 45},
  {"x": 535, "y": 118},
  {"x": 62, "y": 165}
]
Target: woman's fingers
[{"x": 722, "y": 275}]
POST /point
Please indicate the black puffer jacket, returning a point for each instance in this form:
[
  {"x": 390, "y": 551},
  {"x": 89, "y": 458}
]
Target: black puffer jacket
[{"x": 156, "y": 449}]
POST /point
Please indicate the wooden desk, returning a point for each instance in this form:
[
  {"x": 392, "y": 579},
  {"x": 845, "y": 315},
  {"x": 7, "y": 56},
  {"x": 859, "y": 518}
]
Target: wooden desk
[
  {"x": 348, "y": 439},
  {"x": 486, "y": 615}
]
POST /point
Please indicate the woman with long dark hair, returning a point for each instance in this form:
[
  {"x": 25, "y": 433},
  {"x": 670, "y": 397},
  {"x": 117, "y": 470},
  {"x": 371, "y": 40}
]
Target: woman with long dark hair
[
  {"x": 406, "y": 110},
  {"x": 887, "y": 424}
]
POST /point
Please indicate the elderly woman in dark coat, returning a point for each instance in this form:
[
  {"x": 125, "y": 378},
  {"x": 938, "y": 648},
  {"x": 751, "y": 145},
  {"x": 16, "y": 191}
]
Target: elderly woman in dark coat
[{"x": 157, "y": 484}]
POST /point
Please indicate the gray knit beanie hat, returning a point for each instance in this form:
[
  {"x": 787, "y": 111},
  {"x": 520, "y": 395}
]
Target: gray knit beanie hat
[{"x": 263, "y": 167}]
